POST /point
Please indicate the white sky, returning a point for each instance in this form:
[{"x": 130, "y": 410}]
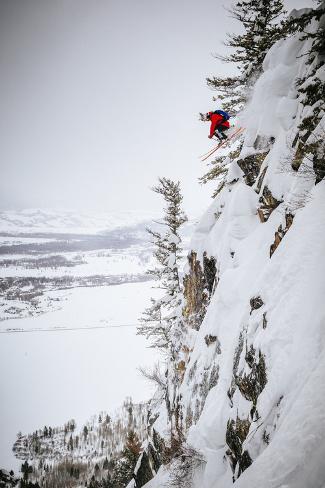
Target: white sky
[{"x": 99, "y": 98}]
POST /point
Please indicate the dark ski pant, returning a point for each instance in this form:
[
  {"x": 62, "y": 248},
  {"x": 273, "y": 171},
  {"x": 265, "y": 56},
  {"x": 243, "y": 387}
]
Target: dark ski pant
[{"x": 220, "y": 132}]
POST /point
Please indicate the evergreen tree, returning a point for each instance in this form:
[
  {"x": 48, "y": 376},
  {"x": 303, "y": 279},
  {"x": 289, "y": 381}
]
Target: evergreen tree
[
  {"x": 301, "y": 23},
  {"x": 70, "y": 444},
  {"x": 262, "y": 26},
  {"x": 309, "y": 142},
  {"x": 124, "y": 468},
  {"x": 97, "y": 470},
  {"x": 260, "y": 20},
  {"x": 25, "y": 469},
  {"x": 105, "y": 464},
  {"x": 161, "y": 316},
  {"x": 218, "y": 170}
]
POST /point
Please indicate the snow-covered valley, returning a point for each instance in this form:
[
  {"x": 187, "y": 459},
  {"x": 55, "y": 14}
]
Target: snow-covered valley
[
  {"x": 50, "y": 377},
  {"x": 43, "y": 252},
  {"x": 72, "y": 276}
]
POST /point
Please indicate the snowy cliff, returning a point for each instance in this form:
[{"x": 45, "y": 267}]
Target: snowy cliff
[{"x": 251, "y": 387}]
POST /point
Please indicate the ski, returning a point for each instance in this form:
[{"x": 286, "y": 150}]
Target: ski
[{"x": 205, "y": 156}]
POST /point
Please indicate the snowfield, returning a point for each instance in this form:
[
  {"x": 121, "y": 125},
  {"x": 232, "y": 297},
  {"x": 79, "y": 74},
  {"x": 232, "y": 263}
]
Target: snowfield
[{"x": 50, "y": 377}]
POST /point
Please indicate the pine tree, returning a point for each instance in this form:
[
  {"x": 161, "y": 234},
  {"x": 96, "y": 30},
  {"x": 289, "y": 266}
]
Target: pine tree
[
  {"x": 105, "y": 464},
  {"x": 25, "y": 469},
  {"x": 262, "y": 28},
  {"x": 70, "y": 443},
  {"x": 309, "y": 142},
  {"x": 260, "y": 20},
  {"x": 124, "y": 468},
  {"x": 218, "y": 170},
  {"x": 300, "y": 24},
  {"x": 158, "y": 320}
]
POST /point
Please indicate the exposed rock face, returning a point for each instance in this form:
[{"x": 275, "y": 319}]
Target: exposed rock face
[
  {"x": 268, "y": 204},
  {"x": 251, "y": 166},
  {"x": 264, "y": 323},
  {"x": 281, "y": 232},
  {"x": 238, "y": 352},
  {"x": 319, "y": 168},
  {"x": 147, "y": 467},
  {"x": 250, "y": 378},
  {"x": 237, "y": 431},
  {"x": 298, "y": 156},
  {"x": 260, "y": 180},
  {"x": 253, "y": 383},
  {"x": 198, "y": 287},
  {"x": 210, "y": 271},
  {"x": 212, "y": 339},
  {"x": 256, "y": 303}
]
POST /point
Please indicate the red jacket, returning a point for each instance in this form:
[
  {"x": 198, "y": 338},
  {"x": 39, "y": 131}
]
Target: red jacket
[{"x": 216, "y": 121}]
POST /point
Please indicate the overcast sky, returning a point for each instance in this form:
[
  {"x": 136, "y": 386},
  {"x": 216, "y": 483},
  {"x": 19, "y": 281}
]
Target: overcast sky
[{"x": 100, "y": 97}]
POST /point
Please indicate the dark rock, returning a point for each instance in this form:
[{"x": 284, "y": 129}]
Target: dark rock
[
  {"x": 239, "y": 350},
  {"x": 280, "y": 233},
  {"x": 298, "y": 156},
  {"x": 251, "y": 385},
  {"x": 195, "y": 294},
  {"x": 214, "y": 376},
  {"x": 250, "y": 356},
  {"x": 268, "y": 204},
  {"x": 149, "y": 465},
  {"x": 211, "y": 339},
  {"x": 251, "y": 166},
  {"x": 245, "y": 462},
  {"x": 264, "y": 321},
  {"x": 319, "y": 168},
  {"x": 199, "y": 285},
  {"x": 236, "y": 434},
  {"x": 260, "y": 180},
  {"x": 256, "y": 303},
  {"x": 209, "y": 270}
]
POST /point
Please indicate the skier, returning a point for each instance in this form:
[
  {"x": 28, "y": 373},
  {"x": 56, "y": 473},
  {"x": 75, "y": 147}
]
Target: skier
[{"x": 219, "y": 124}]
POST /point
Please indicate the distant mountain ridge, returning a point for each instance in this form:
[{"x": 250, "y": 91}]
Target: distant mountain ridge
[{"x": 68, "y": 221}]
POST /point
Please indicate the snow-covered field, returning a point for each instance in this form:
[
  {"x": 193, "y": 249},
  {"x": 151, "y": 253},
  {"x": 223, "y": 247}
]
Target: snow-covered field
[
  {"x": 43, "y": 252},
  {"x": 49, "y": 375}
]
